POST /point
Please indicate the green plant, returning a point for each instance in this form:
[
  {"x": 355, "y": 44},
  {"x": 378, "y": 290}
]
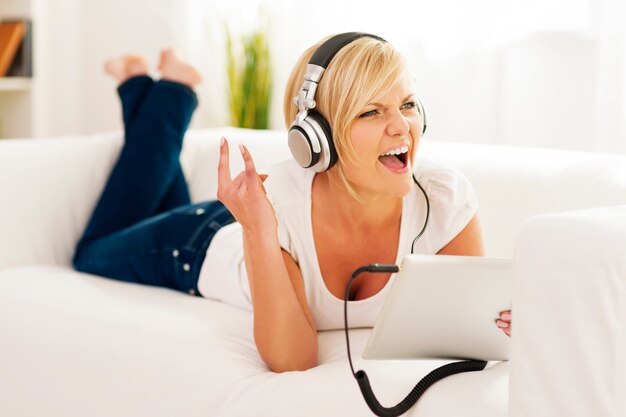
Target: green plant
[{"x": 249, "y": 79}]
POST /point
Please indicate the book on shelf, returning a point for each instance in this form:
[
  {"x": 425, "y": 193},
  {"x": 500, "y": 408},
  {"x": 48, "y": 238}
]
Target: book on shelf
[
  {"x": 22, "y": 65},
  {"x": 11, "y": 36}
]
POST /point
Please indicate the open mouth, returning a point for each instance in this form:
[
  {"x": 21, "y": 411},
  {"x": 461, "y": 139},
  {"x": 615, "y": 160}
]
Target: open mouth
[{"x": 395, "y": 160}]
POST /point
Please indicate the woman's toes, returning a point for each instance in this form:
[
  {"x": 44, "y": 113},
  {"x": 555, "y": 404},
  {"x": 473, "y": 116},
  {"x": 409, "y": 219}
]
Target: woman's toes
[
  {"x": 116, "y": 68},
  {"x": 168, "y": 55},
  {"x": 135, "y": 65},
  {"x": 125, "y": 67},
  {"x": 174, "y": 69}
]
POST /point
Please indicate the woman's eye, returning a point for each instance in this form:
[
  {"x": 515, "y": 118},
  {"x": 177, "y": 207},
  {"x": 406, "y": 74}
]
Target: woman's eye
[
  {"x": 409, "y": 105},
  {"x": 368, "y": 113}
]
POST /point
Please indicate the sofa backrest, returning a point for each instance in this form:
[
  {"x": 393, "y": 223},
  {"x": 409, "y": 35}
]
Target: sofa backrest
[
  {"x": 48, "y": 187},
  {"x": 514, "y": 183}
]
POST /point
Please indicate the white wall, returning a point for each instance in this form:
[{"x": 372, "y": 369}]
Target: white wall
[
  {"x": 75, "y": 37},
  {"x": 58, "y": 68},
  {"x": 540, "y": 88},
  {"x": 548, "y": 91}
]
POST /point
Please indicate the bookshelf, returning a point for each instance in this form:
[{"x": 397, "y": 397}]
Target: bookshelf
[
  {"x": 19, "y": 95},
  {"x": 15, "y": 84}
]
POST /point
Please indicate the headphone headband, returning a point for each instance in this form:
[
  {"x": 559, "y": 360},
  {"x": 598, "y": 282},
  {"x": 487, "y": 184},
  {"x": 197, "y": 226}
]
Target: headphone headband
[
  {"x": 327, "y": 51},
  {"x": 305, "y": 100}
]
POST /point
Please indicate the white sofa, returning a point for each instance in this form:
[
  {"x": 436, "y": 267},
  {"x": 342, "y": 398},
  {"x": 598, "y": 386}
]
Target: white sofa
[{"x": 73, "y": 344}]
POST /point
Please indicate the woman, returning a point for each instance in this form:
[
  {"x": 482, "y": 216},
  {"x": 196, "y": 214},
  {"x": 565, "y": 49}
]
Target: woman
[{"x": 303, "y": 232}]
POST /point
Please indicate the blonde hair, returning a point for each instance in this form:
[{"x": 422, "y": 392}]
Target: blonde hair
[{"x": 361, "y": 71}]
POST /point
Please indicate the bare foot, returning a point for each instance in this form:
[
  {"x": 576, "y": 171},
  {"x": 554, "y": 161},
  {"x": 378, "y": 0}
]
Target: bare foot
[
  {"x": 125, "y": 67},
  {"x": 173, "y": 69}
]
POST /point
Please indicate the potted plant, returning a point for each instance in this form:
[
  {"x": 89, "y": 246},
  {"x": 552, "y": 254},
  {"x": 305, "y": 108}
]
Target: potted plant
[{"x": 249, "y": 78}]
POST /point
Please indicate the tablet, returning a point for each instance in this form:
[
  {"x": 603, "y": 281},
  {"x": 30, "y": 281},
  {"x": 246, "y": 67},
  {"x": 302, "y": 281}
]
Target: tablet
[{"x": 444, "y": 307}]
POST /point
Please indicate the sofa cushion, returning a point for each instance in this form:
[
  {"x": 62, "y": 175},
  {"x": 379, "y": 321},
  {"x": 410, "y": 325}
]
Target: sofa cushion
[{"x": 75, "y": 344}]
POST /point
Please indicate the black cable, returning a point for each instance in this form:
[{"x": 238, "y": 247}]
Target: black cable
[
  {"x": 434, "y": 376},
  {"x": 419, "y": 389},
  {"x": 427, "y": 214},
  {"x": 367, "y": 268}
]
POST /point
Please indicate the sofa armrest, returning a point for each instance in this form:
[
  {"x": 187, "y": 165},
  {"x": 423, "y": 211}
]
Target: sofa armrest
[{"x": 568, "y": 354}]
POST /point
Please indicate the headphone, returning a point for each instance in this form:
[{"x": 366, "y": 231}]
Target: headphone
[{"x": 310, "y": 136}]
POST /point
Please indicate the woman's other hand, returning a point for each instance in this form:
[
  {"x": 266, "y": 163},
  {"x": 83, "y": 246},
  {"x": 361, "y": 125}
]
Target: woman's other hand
[
  {"x": 245, "y": 195},
  {"x": 505, "y": 322}
]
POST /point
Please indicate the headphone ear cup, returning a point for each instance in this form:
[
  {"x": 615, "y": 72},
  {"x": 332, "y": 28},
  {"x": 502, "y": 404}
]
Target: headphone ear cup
[{"x": 326, "y": 138}]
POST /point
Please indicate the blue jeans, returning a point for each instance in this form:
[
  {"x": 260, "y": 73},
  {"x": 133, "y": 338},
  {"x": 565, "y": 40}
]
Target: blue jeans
[{"x": 144, "y": 228}]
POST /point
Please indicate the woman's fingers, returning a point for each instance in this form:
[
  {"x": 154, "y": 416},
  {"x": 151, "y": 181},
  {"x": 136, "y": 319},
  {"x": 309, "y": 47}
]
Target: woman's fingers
[
  {"x": 507, "y": 330},
  {"x": 506, "y": 315},
  {"x": 263, "y": 177},
  {"x": 251, "y": 174},
  {"x": 245, "y": 181},
  {"x": 502, "y": 324},
  {"x": 223, "y": 168},
  {"x": 505, "y": 322},
  {"x": 238, "y": 181},
  {"x": 505, "y": 326}
]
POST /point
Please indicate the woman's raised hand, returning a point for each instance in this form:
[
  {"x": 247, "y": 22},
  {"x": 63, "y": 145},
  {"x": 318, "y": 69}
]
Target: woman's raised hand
[{"x": 245, "y": 195}]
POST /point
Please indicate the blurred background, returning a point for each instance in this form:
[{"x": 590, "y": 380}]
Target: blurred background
[{"x": 548, "y": 73}]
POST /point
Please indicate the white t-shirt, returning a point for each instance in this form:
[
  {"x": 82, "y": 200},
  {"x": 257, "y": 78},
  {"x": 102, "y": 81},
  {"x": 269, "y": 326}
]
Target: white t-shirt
[{"x": 223, "y": 274}]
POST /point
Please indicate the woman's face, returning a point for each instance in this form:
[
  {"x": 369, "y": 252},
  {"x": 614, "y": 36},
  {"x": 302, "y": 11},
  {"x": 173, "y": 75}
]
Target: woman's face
[{"x": 385, "y": 135}]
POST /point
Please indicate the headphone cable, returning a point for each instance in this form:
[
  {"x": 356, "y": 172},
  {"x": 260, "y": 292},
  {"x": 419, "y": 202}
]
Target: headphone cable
[
  {"x": 434, "y": 376},
  {"x": 427, "y": 214},
  {"x": 419, "y": 389}
]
